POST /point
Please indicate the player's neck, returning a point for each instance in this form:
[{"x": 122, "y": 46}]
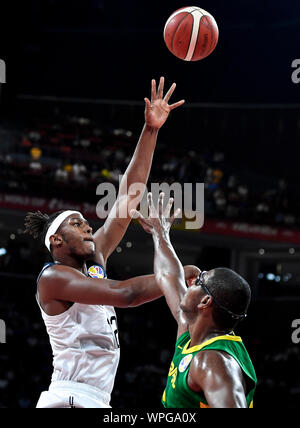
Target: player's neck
[{"x": 201, "y": 332}]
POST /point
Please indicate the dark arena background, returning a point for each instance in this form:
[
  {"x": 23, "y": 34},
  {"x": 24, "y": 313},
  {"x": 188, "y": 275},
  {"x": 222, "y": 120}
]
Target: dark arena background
[{"x": 72, "y": 109}]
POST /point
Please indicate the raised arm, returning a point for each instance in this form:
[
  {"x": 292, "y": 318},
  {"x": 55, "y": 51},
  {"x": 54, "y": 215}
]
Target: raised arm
[
  {"x": 169, "y": 272},
  {"x": 156, "y": 113}
]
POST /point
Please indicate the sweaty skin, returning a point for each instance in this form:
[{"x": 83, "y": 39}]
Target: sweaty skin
[{"x": 213, "y": 373}]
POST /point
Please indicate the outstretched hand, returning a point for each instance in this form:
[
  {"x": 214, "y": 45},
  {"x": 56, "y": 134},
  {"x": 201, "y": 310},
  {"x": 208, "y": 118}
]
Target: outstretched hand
[
  {"x": 159, "y": 220},
  {"x": 159, "y": 223},
  {"x": 157, "y": 110}
]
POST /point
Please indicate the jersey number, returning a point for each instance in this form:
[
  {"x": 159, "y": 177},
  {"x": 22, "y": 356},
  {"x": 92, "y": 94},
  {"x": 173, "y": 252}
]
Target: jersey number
[{"x": 113, "y": 323}]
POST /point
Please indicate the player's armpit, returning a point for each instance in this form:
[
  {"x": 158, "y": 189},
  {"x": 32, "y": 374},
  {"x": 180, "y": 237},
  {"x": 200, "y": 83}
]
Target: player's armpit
[
  {"x": 111, "y": 233},
  {"x": 220, "y": 378}
]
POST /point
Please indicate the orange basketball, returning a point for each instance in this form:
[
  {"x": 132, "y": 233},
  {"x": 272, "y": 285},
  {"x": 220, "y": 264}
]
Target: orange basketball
[{"x": 191, "y": 33}]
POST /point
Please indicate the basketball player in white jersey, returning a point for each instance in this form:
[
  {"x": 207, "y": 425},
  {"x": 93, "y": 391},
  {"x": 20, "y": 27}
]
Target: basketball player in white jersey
[{"x": 76, "y": 300}]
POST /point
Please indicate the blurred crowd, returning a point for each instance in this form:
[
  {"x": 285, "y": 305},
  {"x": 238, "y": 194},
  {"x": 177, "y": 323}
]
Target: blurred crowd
[{"x": 70, "y": 156}]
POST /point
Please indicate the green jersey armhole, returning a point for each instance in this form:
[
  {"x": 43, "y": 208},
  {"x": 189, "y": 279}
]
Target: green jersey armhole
[{"x": 182, "y": 338}]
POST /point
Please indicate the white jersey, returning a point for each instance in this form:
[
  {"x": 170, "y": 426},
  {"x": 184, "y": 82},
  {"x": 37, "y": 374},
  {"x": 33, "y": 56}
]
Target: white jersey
[{"x": 85, "y": 346}]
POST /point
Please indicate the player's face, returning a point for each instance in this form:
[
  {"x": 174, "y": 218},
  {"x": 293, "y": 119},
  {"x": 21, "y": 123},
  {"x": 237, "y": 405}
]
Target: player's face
[
  {"x": 191, "y": 299},
  {"x": 193, "y": 295},
  {"x": 77, "y": 236}
]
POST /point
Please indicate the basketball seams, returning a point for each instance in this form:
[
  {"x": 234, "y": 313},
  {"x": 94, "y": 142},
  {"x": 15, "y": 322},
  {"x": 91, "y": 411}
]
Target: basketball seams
[
  {"x": 206, "y": 13},
  {"x": 206, "y": 53},
  {"x": 188, "y": 13},
  {"x": 174, "y": 34},
  {"x": 189, "y": 55},
  {"x": 187, "y": 10},
  {"x": 210, "y": 47}
]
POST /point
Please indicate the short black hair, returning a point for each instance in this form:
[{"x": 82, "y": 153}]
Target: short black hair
[
  {"x": 37, "y": 224},
  {"x": 230, "y": 290}
]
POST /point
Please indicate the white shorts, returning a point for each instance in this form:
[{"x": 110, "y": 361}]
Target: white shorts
[{"x": 68, "y": 394}]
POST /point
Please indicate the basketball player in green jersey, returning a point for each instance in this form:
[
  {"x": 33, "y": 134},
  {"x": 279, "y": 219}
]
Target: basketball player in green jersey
[{"x": 211, "y": 366}]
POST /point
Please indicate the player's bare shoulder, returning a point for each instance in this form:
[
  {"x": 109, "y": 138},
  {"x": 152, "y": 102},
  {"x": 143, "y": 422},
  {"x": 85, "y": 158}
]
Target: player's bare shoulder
[
  {"x": 56, "y": 276},
  {"x": 213, "y": 365},
  {"x": 58, "y": 272}
]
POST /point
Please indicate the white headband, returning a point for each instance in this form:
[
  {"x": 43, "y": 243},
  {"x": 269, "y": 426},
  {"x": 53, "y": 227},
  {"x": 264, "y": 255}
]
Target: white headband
[{"x": 55, "y": 225}]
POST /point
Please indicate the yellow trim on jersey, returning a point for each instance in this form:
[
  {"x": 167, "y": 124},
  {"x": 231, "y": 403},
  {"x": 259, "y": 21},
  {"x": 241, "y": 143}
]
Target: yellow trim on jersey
[{"x": 208, "y": 342}]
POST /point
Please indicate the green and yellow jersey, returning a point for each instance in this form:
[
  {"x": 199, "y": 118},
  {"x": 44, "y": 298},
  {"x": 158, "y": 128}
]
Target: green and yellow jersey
[{"x": 177, "y": 394}]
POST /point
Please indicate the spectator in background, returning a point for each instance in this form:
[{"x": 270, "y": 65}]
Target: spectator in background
[
  {"x": 35, "y": 165},
  {"x": 35, "y": 153},
  {"x": 26, "y": 142},
  {"x": 220, "y": 201},
  {"x": 85, "y": 143},
  {"x": 34, "y": 135},
  {"x": 61, "y": 175},
  {"x": 95, "y": 174},
  {"x": 217, "y": 176},
  {"x": 68, "y": 168},
  {"x": 79, "y": 173},
  {"x": 68, "y": 138},
  {"x": 262, "y": 208},
  {"x": 105, "y": 173}
]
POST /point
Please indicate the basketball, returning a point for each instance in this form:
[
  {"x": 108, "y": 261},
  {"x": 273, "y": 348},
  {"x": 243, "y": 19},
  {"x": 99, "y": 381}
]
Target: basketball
[{"x": 191, "y": 33}]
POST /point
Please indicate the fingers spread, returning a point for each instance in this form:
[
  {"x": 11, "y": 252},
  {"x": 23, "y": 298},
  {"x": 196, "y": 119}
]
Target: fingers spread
[
  {"x": 170, "y": 92},
  {"x": 148, "y": 103},
  {"x": 161, "y": 87},
  {"x": 175, "y": 105},
  {"x": 150, "y": 200},
  {"x": 153, "y": 90},
  {"x": 152, "y": 210},
  {"x": 168, "y": 208},
  {"x": 160, "y": 204}
]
